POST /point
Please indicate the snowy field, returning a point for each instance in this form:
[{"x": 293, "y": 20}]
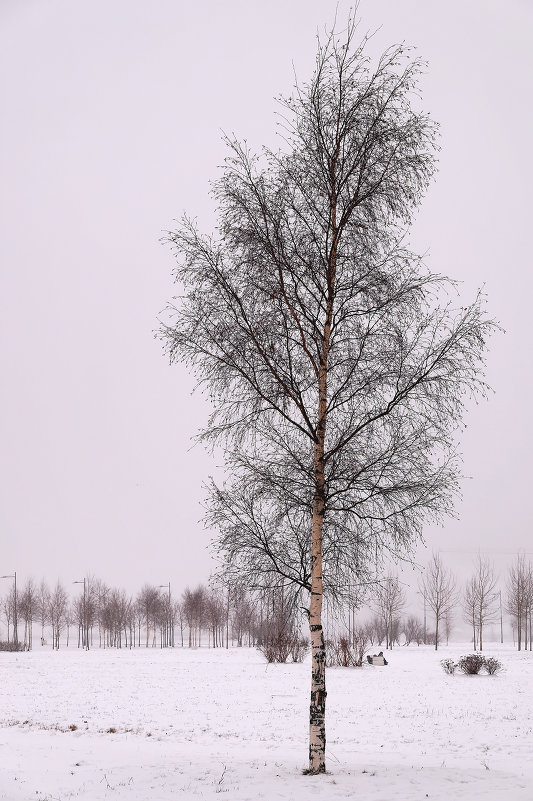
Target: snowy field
[{"x": 152, "y": 725}]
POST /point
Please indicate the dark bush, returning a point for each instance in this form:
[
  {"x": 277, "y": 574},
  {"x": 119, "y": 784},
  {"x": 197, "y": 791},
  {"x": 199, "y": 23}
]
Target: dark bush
[
  {"x": 279, "y": 638},
  {"x": 448, "y": 665},
  {"x": 344, "y": 652},
  {"x": 471, "y": 664},
  {"x": 275, "y": 649},
  {"x": 492, "y": 665},
  {"x": 10, "y": 646}
]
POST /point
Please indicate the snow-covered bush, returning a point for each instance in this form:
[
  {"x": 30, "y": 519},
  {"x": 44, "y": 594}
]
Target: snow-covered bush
[
  {"x": 492, "y": 665},
  {"x": 448, "y": 665},
  {"x": 471, "y": 664}
]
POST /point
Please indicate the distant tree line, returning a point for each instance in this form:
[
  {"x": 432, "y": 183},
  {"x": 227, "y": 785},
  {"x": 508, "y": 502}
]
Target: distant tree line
[
  {"x": 480, "y": 603},
  {"x": 107, "y": 617},
  {"x": 214, "y": 616}
]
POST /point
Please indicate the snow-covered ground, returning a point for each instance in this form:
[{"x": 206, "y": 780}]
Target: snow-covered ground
[{"x": 155, "y": 725}]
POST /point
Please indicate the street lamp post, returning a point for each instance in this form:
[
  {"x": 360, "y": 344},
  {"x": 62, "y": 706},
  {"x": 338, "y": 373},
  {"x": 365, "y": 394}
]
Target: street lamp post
[
  {"x": 501, "y": 619},
  {"x": 15, "y": 631},
  {"x": 84, "y": 631},
  {"x": 425, "y": 627},
  {"x": 170, "y": 633}
]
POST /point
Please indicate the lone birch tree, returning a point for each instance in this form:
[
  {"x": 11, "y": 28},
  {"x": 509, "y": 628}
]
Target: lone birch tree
[{"x": 337, "y": 377}]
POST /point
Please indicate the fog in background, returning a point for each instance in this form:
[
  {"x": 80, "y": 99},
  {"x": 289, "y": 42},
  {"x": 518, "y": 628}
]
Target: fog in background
[{"x": 112, "y": 116}]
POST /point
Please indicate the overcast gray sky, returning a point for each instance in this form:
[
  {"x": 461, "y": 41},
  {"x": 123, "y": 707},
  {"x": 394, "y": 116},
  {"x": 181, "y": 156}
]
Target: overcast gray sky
[{"x": 111, "y": 127}]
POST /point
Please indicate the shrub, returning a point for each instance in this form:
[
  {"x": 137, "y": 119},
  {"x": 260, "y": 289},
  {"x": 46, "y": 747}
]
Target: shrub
[
  {"x": 279, "y": 638},
  {"x": 471, "y": 664},
  {"x": 492, "y": 665},
  {"x": 299, "y": 648},
  {"x": 449, "y": 666},
  {"x": 272, "y": 652},
  {"x": 360, "y": 643},
  {"x": 338, "y": 653},
  {"x": 342, "y": 652},
  {"x": 268, "y": 649},
  {"x": 10, "y": 646},
  {"x": 331, "y": 659}
]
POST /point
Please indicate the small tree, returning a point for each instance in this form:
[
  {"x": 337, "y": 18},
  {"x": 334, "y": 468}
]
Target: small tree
[
  {"x": 438, "y": 588},
  {"x": 448, "y": 624},
  {"x": 378, "y": 630},
  {"x": 101, "y": 594},
  {"x": 390, "y": 601},
  {"x": 243, "y": 615},
  {"x": 215, "y": 616},
  {"x": 480, "y": 598},
  {"x": 43, "y": 601},
  {"x": 148, "y": 603},
  {"x": 57, "y": 611},
  {"x": 27, "y": 606},
  {"x": 469, "y": 603},
  {"x": 179, "y": 615},
  {"x": 413, "y": 630},
  {"x": 520, "y": 598}
]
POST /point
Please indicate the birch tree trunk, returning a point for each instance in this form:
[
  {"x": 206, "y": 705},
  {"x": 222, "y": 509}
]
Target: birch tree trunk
[{"x": 317, "y": 710}]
